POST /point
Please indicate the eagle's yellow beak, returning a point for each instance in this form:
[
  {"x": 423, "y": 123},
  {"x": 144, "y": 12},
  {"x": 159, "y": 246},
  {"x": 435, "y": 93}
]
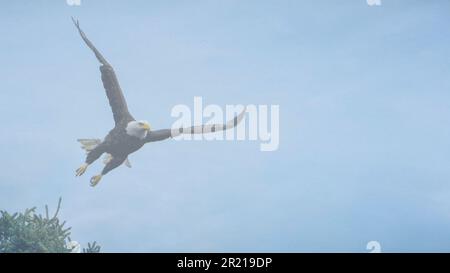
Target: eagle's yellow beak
[{"x": 146, "y": 126}]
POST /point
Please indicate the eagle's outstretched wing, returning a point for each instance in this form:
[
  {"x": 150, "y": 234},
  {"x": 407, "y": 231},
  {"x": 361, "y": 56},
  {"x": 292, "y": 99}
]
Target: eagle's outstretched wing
[
  {"x": 201, "y": 129},
  {"x": 110, "y": 83}
]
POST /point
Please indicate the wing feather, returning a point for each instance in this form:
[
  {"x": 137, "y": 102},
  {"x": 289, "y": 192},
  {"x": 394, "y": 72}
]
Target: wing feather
[
  {"x": 110, "y": 83},
  {"x": 209, "y": 128},
  {"x": 201, "y": 129}
]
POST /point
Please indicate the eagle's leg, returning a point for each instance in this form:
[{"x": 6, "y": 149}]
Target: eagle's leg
[
  {"x": 80, "y": 171},
  {"x": 91, "y": 157},
  {"x": 95, "y": 179},
  {"x": 115, "y": 162}
]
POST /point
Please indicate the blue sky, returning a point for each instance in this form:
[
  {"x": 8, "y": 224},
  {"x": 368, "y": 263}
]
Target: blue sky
[{"x": 364, "y": 133}]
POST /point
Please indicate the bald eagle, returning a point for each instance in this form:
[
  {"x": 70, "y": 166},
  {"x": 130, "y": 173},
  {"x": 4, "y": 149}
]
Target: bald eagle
[{"x": 128, "y": 135}]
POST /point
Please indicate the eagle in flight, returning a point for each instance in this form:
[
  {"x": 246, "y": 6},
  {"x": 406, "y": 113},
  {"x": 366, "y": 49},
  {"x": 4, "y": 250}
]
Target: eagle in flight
[{"x": 128, "y": 135}]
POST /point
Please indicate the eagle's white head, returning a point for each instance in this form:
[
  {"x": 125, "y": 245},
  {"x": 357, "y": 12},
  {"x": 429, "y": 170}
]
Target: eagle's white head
[{"x": 138, "y": 128}]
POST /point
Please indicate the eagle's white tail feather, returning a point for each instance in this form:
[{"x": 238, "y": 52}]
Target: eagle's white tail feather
[{"x": 89, "y": 144}]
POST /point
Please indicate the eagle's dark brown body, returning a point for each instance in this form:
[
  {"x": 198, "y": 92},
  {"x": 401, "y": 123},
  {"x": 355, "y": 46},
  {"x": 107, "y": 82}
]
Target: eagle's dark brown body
[{"x": 119, "y": 145}]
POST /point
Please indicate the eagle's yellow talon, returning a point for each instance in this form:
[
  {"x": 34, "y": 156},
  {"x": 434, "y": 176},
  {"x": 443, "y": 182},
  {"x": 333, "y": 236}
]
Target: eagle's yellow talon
[
  {"x": 95, "y": 179},
  {"x": 80, "y": 171}
]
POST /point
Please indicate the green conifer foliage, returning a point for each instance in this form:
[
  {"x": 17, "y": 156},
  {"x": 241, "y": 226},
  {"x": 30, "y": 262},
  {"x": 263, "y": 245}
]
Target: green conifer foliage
[{"x": 29, "y": 232}]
